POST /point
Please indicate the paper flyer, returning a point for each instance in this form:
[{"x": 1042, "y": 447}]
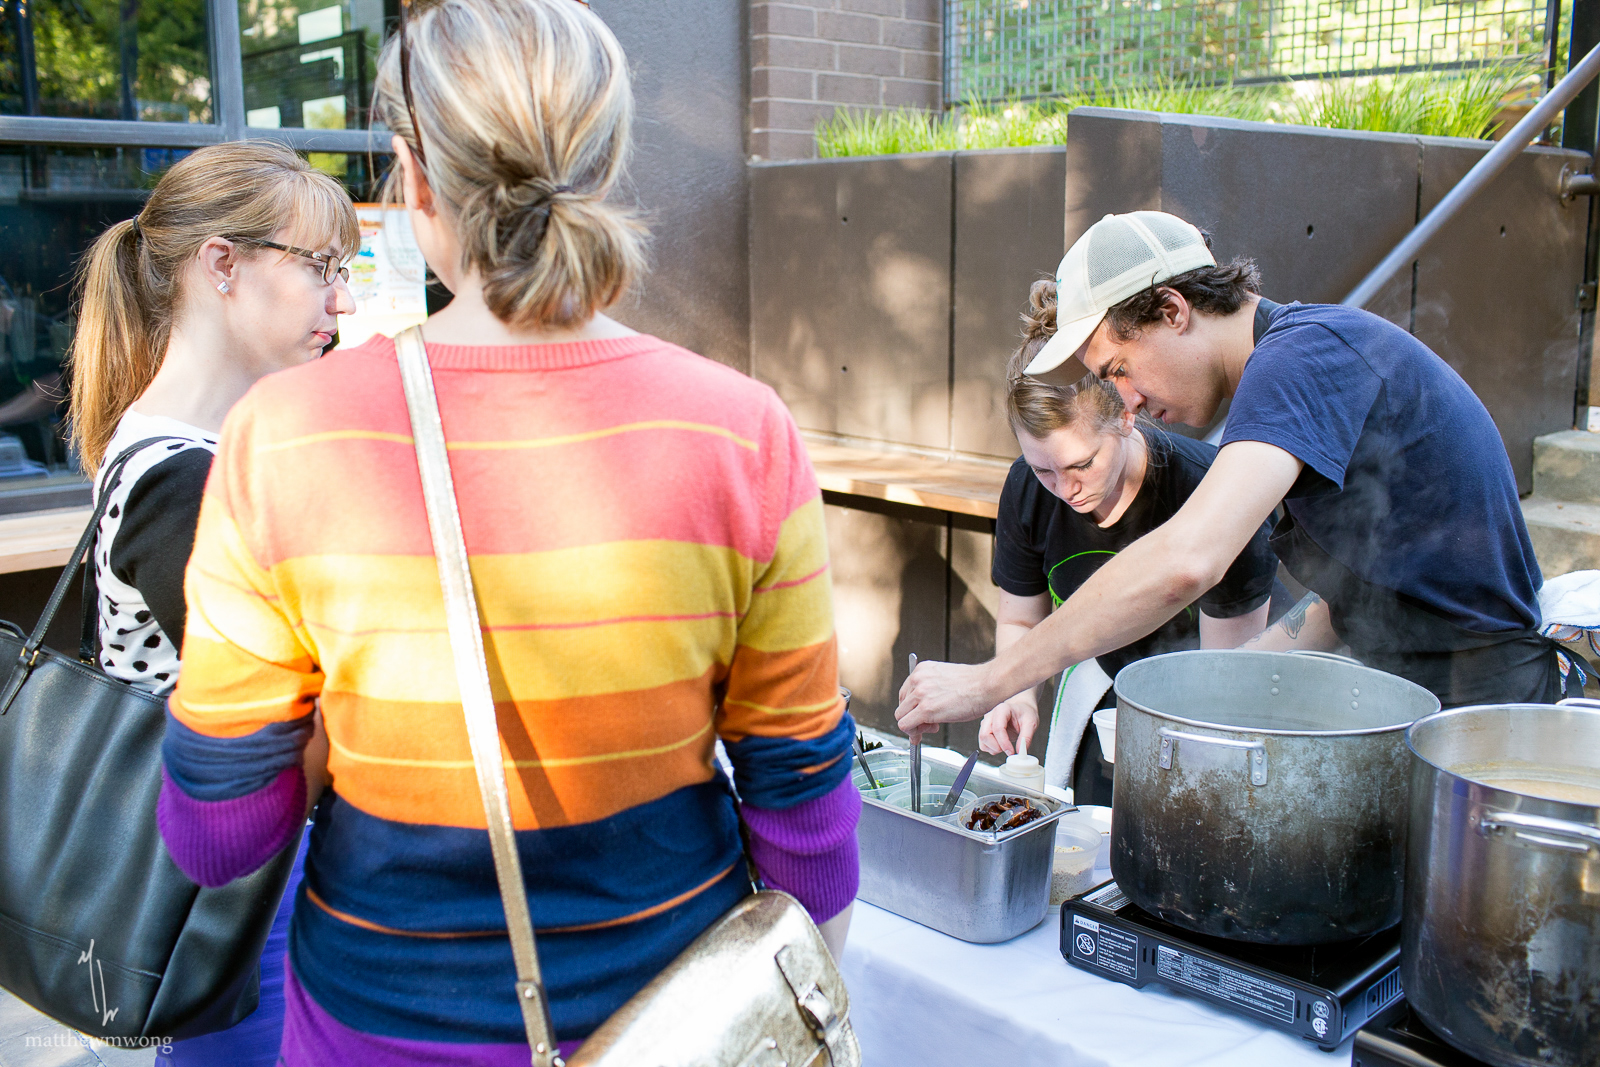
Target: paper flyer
[{"x": 387, "y": 277}]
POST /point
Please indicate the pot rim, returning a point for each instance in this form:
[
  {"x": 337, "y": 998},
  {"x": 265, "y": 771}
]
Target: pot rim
[
  {"x": 1593, "y": 810},
  {"x": 1370, "y": 731}
]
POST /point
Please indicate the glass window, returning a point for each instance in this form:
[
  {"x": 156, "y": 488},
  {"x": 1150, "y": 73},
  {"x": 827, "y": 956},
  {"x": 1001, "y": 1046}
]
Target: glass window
[
  {"x": 54, "y": 201},
  {"x": 310, "y": 63},
  {"x": 306, "y": 64},
  {"x": 145, "y": 60}
]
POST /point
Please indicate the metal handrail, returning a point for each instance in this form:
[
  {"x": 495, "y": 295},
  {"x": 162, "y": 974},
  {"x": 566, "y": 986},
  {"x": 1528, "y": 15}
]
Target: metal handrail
[{"x": 1498, "y": 158}]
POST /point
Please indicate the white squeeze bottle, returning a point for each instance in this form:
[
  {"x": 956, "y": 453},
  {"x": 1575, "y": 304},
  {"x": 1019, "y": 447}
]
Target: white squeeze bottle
[{"x": 1026, "y": 771}]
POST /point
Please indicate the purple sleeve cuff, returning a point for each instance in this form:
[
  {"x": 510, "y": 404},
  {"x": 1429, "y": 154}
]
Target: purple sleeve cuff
[
  {"x": 809, "y": 850},
  {"x": 214, "y": 842}
]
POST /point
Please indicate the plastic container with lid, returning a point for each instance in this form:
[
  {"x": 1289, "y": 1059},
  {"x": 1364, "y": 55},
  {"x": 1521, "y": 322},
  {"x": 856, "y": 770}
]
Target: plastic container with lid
[
  {"x": 1073, "y": 866},
  {"x": 1025, "y": 770},
  {"x": 1095, "y": 820}
]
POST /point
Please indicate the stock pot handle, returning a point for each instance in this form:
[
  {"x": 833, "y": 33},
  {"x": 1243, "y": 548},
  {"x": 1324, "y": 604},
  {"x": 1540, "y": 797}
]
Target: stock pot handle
[
  {"x": 1557, "y": 835},
  {"x": 1578, "y": 702},
  {"x": 1315, "y": 653},
  {"x": 1256, "y": 749}
]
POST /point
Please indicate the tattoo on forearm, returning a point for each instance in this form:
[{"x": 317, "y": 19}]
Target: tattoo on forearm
[{"x": 1295, "y": 619}]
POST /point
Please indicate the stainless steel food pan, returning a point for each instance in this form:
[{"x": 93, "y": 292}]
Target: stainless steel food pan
[{"x": 976, "y": 886}]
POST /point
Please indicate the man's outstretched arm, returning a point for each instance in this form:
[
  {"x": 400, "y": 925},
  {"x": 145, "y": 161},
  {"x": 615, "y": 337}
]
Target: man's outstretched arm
[{"x": 1131, "y": 596}]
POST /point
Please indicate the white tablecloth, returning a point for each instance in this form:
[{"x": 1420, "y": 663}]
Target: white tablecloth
[{"x": 921, "y": 999}]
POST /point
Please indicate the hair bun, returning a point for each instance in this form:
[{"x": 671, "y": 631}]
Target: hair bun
[
  {"x": 526, "y": 109},
  {"x": 1039, "y": 321}
]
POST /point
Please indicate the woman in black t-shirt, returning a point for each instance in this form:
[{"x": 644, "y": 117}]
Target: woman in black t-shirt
[{"x": 1089, "y": 483}]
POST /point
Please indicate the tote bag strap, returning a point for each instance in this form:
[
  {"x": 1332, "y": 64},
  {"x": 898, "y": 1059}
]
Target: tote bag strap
[
  {"x": 29, "y": 656},
  {"x": 472, "y": 676}
]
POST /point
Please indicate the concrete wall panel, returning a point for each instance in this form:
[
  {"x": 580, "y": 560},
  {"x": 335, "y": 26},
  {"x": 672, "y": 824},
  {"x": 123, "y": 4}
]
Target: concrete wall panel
[
  {"x": 1262, "y": 191},
  {"x": 850, "y": 290},
  {"x": 1113, "y": 165},
  {"x": 890, "y": 576},
  {"x": 688, "y": 175},
  {"x": 1497, "y": 290},
  {"x": 1008, "y": 229}
]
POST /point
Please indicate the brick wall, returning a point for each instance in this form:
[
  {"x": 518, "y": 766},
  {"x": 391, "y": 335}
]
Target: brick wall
[{"x": 810, "y": 57}]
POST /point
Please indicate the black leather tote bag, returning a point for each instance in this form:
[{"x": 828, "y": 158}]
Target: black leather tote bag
[{"x": 98, "y": 927}]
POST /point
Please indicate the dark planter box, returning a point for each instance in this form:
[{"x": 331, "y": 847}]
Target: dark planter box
[{"x": 852, "y": 321}]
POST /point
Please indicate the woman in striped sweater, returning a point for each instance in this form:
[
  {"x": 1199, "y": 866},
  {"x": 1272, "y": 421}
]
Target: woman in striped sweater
[{"x": 646, "y": 536}]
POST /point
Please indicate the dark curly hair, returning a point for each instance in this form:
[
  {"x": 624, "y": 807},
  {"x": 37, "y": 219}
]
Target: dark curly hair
[{"x": 1215, "y": 290}]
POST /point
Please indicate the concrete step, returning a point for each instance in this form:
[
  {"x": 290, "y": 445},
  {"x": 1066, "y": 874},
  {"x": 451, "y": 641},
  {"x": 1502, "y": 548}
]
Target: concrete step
[
  {"x": 1566, "y": 466},
  {"x": 1566, "y": 536}
]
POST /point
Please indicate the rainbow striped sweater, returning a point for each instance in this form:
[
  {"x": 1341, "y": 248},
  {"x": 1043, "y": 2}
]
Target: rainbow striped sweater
[{"x": 646, "y": 538}]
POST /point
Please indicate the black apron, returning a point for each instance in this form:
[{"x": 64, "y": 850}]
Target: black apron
[{"x": 1393, "y": 632}]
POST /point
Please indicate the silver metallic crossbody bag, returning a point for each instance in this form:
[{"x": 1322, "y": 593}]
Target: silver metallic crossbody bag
[{"x": 757, "y": 989}]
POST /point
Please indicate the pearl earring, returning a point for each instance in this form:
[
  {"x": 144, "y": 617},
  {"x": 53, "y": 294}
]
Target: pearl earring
[{"x": 222, "y": 287}]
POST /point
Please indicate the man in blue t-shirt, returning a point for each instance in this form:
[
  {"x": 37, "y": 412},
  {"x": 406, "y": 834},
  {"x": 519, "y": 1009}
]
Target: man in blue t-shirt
[{"x": 1401, "y": 512}]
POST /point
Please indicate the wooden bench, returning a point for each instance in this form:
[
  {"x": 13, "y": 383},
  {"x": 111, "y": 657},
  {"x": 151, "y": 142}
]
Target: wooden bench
[
  {"x": 963, "y": 486},
  {"x": 33, "y": 540}
]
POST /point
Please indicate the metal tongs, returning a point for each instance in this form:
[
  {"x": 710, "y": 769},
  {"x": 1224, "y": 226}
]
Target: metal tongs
[{"x": 916, "y": 757}]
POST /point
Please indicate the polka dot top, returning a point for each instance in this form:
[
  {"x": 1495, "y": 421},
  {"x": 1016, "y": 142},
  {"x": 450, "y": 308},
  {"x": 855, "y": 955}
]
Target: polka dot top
[{"x": 143, "y": 546}]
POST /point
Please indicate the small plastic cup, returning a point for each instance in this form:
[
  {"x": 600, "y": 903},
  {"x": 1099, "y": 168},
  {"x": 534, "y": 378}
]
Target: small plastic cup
[
  {"x": 1105, "y": 724},
  {"x": 932, "y": 799},
  {"x": 891, "y": 768}
]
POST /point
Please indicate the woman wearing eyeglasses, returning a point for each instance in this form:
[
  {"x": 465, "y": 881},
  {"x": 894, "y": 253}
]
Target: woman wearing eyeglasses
[{"x": 231, "y": 271}]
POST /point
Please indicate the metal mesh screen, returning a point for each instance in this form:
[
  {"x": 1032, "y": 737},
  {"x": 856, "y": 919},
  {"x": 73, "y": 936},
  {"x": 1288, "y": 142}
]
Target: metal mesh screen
[{"x": 1005, "y": 49}]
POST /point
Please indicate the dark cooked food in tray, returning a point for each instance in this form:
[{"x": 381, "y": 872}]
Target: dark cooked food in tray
[{"x": 1007, "y": 813}]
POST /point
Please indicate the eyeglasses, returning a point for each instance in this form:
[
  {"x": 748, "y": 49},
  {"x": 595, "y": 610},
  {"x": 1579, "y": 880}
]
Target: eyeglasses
[{"x": 332, "y": 270}]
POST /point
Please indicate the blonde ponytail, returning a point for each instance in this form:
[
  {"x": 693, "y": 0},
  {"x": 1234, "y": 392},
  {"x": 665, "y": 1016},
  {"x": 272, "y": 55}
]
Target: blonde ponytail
[
  {"x": 525, "y": 113},
  {"x": 129, "y": 285},
  {"x": 114, "y": 353}
]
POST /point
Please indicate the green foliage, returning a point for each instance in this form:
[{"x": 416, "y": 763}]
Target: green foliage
[
  {"x": 1433, "y": 103},
  {"x": 80, "y": 48},
  {"x": 1437, "y": 103},
  {"x": 885, "y": 133}
]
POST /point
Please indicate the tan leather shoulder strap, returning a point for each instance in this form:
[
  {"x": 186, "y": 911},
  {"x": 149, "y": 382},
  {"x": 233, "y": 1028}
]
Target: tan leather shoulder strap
[{"x": 472, "y": 675}]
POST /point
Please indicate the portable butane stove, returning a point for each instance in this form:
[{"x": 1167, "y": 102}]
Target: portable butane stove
[
  {"x": 1323, "y": 993},
  {"x": 1397, "y": 1038}
]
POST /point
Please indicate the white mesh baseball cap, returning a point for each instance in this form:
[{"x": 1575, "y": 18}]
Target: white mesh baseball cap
[{"x": 1119, "y": 256}]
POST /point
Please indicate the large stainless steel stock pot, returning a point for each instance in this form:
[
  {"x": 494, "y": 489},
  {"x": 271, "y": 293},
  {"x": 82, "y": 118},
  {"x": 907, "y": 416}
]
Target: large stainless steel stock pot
[
  {"x": 1261, "y": 796},
  {"x": 1502, "y": 904}
]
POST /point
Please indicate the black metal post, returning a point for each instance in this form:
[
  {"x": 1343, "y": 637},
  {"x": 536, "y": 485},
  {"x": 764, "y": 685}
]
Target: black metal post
[
  {"x": 1552, "y": 40},
  {"x": 128, "y": 55},
  {"x": 1579, "y": 127},
  {"x": 1579, "y": 130},
  {"x": 27, "y": 65}
]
